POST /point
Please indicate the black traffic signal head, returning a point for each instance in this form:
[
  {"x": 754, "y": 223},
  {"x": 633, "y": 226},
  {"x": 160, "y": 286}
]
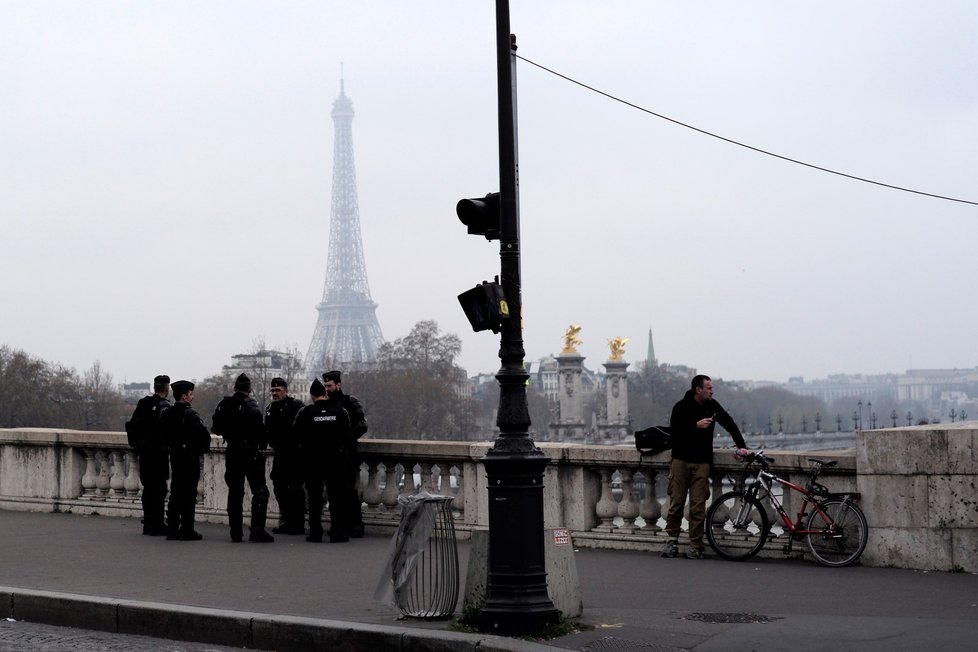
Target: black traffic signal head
[
  {"x": 480, "y": 215},
  {"x": 485, "y": 306}
]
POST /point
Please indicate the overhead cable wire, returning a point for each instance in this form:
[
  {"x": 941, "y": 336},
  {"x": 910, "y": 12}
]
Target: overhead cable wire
[{"x": 744, "y": 145}]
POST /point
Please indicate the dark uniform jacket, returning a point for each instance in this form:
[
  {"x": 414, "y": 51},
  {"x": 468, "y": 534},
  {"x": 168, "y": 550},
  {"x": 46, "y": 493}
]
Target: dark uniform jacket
[
  {"x": 143, "y": 429},
  {"x": 324, "y": 435},
  {"x": 279, "y": 417},
  {"x": 238, "y": 419},
  {"x": 692, "y": 444},
  {"x": 183, "y": 430},
  {"x": 358, "y": 421}
]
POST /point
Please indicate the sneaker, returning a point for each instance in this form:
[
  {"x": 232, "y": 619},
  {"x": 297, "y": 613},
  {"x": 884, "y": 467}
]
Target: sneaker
[
  {"x": 671, "y": 549},
  {"x": 694, "y": 553}
]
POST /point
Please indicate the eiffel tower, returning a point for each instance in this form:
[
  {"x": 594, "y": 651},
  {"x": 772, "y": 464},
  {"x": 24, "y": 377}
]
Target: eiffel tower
[{"x": 347, "y": 333}]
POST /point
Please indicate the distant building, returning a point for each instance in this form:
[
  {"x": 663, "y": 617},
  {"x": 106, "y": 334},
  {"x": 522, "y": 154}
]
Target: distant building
[
  {"x": 132, "y": 392},
  {"x": 262, "y": 366}
]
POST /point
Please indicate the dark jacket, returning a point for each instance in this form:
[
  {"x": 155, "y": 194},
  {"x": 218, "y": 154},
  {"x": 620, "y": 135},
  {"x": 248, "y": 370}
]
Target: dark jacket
[
  {"x": 143, "y": 429},
  {"x": 183, "y": 430},
  {"x": 238, "y": 419},
  {"x": 358, "y": 420},
  {"x": 324, "y": 435},
  {"x": 692, "y": 444},
  {"x": 279, "y": 417}
]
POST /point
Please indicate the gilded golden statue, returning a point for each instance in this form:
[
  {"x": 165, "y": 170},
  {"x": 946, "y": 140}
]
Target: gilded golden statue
[
  {"x": 571, "y": 339},
  {"x": 617, "y": 348}
]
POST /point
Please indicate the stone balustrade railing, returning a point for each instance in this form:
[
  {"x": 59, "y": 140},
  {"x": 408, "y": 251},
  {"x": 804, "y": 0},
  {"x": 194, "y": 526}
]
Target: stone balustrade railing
[{"x": 606, "y": 496}]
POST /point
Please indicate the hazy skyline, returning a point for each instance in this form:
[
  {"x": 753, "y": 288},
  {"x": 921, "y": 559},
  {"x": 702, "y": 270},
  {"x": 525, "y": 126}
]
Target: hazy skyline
[{"x": 165, "y": 178}]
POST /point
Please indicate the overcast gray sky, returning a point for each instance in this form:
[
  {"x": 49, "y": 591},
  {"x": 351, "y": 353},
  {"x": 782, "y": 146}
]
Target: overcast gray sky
[{"x": 165, "y": 178}]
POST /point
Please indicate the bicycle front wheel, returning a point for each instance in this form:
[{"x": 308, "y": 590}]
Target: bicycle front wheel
[
  {"x": 841, "y": 541},
  {"x": 736, "y": 526}
]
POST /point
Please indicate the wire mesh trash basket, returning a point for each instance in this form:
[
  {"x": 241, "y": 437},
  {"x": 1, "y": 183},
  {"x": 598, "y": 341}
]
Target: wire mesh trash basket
[{"x": 422, "y": 572}]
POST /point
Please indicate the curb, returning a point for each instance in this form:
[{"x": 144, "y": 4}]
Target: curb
[{"x": 238, "y": 628}]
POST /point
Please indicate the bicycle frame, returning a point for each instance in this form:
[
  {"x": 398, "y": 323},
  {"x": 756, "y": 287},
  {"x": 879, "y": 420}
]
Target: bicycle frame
[{"x": 796, "y": 527}]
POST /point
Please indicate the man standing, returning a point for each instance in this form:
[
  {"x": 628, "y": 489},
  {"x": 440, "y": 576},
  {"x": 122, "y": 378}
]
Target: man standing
[
  {"x": 287, "y": 464},
  {"x": 187, "y": 439},
  {"x": 239, "y": 421},
  {"x": 358, "y": 426},
  {"x": 146, "y": 439},
  {"x": 692, "y": 423},
  {"x": 324, "y": 432}
]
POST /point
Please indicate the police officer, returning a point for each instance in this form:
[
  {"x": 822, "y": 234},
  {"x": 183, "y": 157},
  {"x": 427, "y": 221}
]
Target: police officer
[
  {"x": 324, "y": 435},
  {"x": 358, "y": 426},
  {"x": 287, "y": 464},
  {"x": 146, "y": 439},
  {"x": 187, "y": 439},
  {"x": 239, "y": 421}
]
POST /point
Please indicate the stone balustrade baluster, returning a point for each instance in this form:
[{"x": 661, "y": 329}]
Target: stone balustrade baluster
[
  {"x": 103, "y": 479},
  {"x": 88, "y": 481},
  {"x": 426, "y": 478},
  {"x": 117, "y": 483},
  {"x": 649, "y": 509},
  {"x": 388, "y": 497},
  {"x": 372, "y": 493},
  {"x": 606, "y": 508},
  {"x": 628, "y": 506},
  {"x": 132, "y": 476},
  {"x": 410, "y": 488}
]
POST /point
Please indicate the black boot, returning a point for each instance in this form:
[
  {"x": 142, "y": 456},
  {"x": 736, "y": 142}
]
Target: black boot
[
  {"x": 258, "y": 534},
  {"x": 235, "y": 520}
]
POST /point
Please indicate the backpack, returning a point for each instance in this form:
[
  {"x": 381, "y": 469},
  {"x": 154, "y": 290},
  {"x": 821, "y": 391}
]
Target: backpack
[{"x": 654, "y": 440}]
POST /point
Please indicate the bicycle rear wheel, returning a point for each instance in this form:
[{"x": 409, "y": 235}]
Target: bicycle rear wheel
[
  {"x": 736, "y": 526},
  {"x": 842, "y": 541}
]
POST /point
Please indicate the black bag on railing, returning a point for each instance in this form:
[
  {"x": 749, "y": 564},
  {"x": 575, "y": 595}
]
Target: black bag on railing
[{"x": 654, "y": 440}]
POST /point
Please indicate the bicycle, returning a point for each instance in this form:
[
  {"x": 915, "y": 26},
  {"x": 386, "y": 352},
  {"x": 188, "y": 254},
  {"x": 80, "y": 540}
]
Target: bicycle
[{"x": 738, "y": 525}]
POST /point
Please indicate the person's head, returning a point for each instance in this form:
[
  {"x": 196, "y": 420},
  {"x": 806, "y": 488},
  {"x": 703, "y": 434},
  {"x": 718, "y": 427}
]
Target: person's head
[
  {"x": 333, "y": 381},
  {"x": 161, "y": 385},
  {"x": 242, "y": 384},
  {"x": 317, "y": 390},
  {"x": 279, "y": 389},
  {"x": 183, "y": 391},
  {"x": 702, "y": 387}
]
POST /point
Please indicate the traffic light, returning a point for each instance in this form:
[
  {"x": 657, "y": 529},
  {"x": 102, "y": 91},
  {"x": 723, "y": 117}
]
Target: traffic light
[
  {"x": 485, "y": 306},
  {"x": 480, "y": 215}
]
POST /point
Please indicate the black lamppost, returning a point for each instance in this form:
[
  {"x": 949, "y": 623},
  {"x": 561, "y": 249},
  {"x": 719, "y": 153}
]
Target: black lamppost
[
  {"x": 804, "y": 423},
  {"x": 818, "y": 422},
  {"x": 871, "y": 416},
  {"x": 838, "y": 422},
  {"x": 517, "y": 601},
  {"x": 780, "y": 424},
  {"x": 909, "y": 418},
  {"x": 860, "y": 423},
  {"x": 953, "y": 414},
  {"x": 893, "y": 415},
  {"x": 855, "y": 421}
]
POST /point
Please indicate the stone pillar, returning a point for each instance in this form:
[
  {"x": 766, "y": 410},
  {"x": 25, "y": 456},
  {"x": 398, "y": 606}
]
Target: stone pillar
[
  {"x": 616, "y": 425},
  {"x": 570, "y": 422}
]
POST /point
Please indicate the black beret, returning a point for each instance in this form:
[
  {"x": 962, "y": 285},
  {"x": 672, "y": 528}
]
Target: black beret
[
  {"x": 332, "y": 375},
  {"x": 279, "y": 382},
  {"x": 161, "y": 380},
  {"x": 181, "y": 387},
  {"x": 317, "y": 388}
]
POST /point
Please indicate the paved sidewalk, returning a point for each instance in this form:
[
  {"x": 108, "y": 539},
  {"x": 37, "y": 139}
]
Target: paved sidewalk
[{"x": 634, "y": 601}]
